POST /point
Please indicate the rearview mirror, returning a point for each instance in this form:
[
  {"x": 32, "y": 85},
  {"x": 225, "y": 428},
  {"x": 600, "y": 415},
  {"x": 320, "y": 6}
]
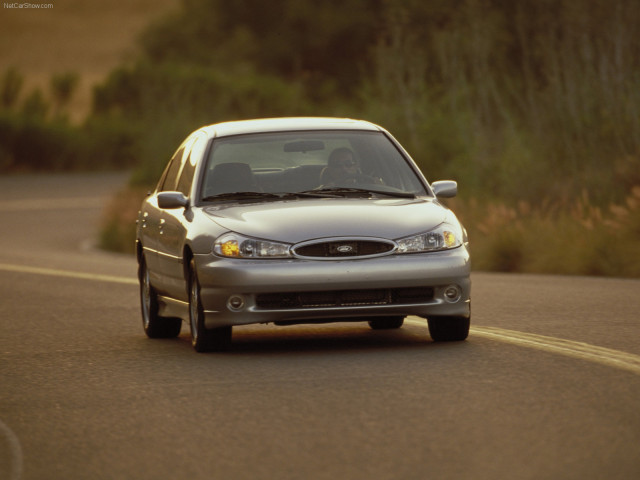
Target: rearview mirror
[
  {"x": 445, "y": 188},
  {"x": 172, "y": 200},
  {"x": 304, "y": 146}
]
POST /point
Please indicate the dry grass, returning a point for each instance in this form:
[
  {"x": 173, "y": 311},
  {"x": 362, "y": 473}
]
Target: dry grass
[
  {"x": 574, "y": 239},
  {"x": 89, "y": 38},
  {"x": 118, "y": 232}
]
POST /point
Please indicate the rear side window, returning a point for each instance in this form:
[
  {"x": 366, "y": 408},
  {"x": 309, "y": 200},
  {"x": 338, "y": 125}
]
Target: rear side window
[
  {"x": 195, "y": 155},
  {"x": 168, "y": 182}
]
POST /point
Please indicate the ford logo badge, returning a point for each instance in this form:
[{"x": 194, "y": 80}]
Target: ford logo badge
[{"x": 344, "y": 248}]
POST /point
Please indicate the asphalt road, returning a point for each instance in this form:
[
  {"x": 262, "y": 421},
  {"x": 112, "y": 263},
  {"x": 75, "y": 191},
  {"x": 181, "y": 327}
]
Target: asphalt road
[{"x": 546, "y": 387}]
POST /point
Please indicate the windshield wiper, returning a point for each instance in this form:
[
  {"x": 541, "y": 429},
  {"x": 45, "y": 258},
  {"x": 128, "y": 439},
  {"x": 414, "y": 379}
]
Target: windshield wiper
[
  {"x": 318, "y": 193},
  {"x": 359, "y": 191},
  {"x": 264, "y": 195},
  {"x": 240, "y": 195},
  {"x": 306, "y": 194}
]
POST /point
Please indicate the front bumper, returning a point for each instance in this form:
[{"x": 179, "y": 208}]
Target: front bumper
[{"x": 232, "y": 289}]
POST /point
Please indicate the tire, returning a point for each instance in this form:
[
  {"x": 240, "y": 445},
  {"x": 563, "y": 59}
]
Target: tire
[
  {"x": 449, "y": 329},
  {"x": 386, "y": 323},
  {"x": 203, "y": 339},
  {"x": 154, "y": 325}
]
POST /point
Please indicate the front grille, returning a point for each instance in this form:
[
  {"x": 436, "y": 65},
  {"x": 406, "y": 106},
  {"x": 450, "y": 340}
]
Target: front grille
[
  {"x": 344, "y": 248},
  {"x": 344, "y": 298}
]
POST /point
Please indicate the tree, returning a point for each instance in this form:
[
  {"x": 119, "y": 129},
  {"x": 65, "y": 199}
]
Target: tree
[
  {"x": 63, "y": 86},
  {"x": 10, "y": 88}
]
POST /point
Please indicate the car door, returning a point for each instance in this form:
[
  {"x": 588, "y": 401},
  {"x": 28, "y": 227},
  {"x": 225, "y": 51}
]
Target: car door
[
  {"x": 153, "y": 222},
  {"x": 175, "y": 221},
  {"x": 150, "y": 218},
  {"x": 149, "y": 223}
]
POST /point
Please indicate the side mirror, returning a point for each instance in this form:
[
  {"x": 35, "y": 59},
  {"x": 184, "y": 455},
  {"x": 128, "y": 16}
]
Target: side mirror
[
  {"x": 172, "y": 200},
  {"x": 445, "y": 188}
]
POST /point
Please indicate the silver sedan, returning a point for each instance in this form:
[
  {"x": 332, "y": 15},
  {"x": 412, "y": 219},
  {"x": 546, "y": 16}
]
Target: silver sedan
[{"x": 298, "y": 220}]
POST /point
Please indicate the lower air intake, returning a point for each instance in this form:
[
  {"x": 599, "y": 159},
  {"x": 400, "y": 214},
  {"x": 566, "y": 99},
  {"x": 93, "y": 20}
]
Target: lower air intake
[{"x": 344, "y": 298}]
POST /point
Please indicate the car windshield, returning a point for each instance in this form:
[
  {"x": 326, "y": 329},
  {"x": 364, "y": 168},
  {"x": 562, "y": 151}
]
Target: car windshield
[{"x": 329, "y": 163}]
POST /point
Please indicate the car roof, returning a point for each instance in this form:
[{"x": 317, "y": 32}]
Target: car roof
[{"x": 266, "y": 125}]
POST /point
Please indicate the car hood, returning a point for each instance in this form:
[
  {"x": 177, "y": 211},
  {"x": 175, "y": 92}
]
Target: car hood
[{"x": 300, "y": 220}]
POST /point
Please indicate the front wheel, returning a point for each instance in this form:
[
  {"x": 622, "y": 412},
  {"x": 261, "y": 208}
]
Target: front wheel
[
  {"x": 154, "y": 325},
  {"x": 449, "y": 329},
  {"x": 203, "y": 339}
]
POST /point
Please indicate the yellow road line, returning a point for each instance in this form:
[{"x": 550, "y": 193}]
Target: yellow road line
[
  {"x": 584, "y": 351},
  {"x": 67, "y": 273}
]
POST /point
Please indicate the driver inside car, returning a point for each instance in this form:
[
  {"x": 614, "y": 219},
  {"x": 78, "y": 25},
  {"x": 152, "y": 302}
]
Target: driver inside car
[{"x": 342, "y": 169}]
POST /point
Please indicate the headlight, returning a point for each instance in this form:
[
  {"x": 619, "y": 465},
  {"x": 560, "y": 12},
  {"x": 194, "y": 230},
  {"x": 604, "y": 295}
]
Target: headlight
[
  {"x": 442, "y": 238},
  {"x": 237, "y": 246}
]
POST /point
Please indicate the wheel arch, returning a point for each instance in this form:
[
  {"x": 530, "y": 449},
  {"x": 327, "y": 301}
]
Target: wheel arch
[
  {"x": 187, "y": 256},
  {"x": 139, "y": 250},
  {"x": 139, "y": 257}
]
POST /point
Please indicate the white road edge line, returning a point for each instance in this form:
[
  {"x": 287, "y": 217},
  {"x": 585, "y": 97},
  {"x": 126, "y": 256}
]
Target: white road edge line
[
  {"x": 67, "y": 273},
  {"x": 584, "y": 351}
]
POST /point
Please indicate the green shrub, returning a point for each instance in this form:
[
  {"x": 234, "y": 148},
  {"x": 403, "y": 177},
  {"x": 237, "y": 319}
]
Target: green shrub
[{"x": 33, "y": 143}]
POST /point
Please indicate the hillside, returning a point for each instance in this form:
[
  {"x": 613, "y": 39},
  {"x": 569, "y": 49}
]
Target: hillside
[{"x": 86, "y": 37}]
